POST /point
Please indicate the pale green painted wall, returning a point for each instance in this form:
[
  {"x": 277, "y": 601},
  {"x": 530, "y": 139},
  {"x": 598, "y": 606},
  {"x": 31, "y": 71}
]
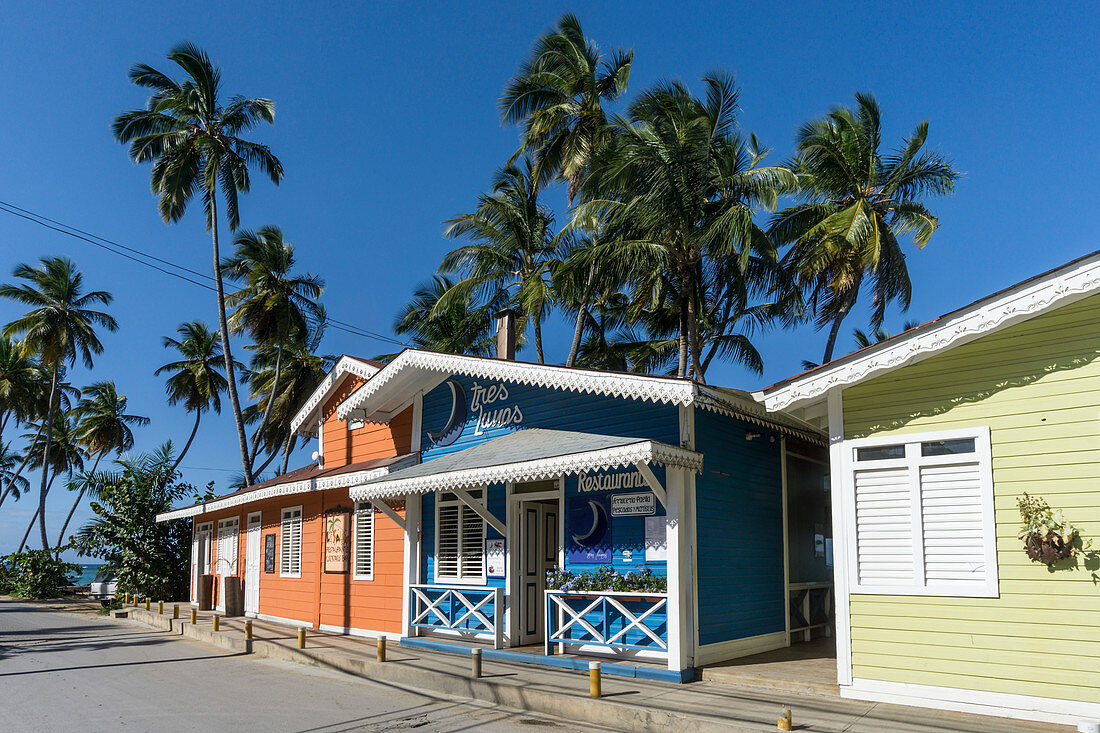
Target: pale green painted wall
[{"x": 1037, "y": 386}]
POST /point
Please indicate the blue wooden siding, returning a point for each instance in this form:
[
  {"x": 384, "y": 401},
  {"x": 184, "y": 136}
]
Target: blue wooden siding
[
  {"x": 548, "y": 408},
  {"x": 739, "y": 515},
  {"x": 497, "y": 501}
]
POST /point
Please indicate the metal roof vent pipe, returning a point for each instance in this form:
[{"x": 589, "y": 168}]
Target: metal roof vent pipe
[{"x": 506, "y": 334}]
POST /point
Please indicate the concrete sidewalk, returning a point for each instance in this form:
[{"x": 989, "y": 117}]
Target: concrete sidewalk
[{"x": 627, "y": 704}]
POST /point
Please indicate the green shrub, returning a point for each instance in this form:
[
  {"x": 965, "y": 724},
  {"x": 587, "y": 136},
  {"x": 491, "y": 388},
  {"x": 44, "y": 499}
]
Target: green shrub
[{"x": 36, "y": 574}]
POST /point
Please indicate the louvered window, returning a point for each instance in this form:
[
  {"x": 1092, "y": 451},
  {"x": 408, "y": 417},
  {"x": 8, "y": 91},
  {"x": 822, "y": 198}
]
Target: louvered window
[
  {"x": 364, "y": 541},
  {"x": 227, "y": 546},
  {"x": 460, "y": 541},
  {"x": 923, "y": 515},
  {"x": 290, "y": 541}
]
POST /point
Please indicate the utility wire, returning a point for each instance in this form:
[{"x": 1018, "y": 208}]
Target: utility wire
[{"x": 136, "y": 255}]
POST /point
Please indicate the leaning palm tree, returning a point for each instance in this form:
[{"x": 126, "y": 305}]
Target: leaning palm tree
[
  {"x": 56, "y": 452},
  {"x": 60, "y": 326},
  {"x": 459, "y": 326},
  {"x": 678, "y": 191},
  {"x": 514, "y": 248},
  {"x": 194, "y": 141},
  {"x": 17, "y": 383},
  {"x": 11, "y": 467},
  {"x": 102, "y": 427},
  {"x": 274, "y": 305},
  {"x": 857, "y": 202},
  {"x": 558, "y": 98},
  {"x": 196, "y": 379}
]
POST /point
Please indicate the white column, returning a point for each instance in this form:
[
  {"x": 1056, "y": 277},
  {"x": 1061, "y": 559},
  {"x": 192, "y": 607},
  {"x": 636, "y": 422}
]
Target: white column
[
  {"x": 680, "y": 576},
  {"x": 841, "y": 539},
  {"x": 411, "y": 559}
]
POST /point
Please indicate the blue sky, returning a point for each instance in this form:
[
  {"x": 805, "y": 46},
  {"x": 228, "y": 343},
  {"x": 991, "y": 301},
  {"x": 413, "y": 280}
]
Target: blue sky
[{"x": 387, "y": 124}]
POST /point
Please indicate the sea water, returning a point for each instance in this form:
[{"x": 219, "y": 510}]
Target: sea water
[{"x": 87, "y": 573}]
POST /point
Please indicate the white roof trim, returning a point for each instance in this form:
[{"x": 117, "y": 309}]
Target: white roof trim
[
  {"x": 338, "y": 481},
  {"x": 344, "y": 366},
  {"x": 635, "y": 386},
  {"x": 645, "y": 451},
  {"x": 1057, "y": 288}
]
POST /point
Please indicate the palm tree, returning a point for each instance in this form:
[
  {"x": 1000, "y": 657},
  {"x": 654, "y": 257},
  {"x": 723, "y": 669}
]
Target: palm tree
[
  {"x": 514, "y": 248},
  {"x": 60, "y": 326},
  {"x": 458, "y": 326},
  {"x": 195, "y": 380},
  {"x": 11, "y": 466},
  {"x": 102, "y": 426},
  {"x": 56, "y": 452},
  {"x": 193, "y": 140},
  {"x": 856, "y": 203},
  {"x": 558, "y": 97},
  {"x": 677, "y": 191},
  {"x": 274, "y": 306},
  {"x": 18, "y": 372}
]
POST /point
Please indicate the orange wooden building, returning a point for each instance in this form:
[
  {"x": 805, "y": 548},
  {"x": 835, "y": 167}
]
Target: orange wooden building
[{"x": 273, "y": 534}]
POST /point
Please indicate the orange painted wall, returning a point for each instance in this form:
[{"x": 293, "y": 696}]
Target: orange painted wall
[{"x": 374, "y": 440}]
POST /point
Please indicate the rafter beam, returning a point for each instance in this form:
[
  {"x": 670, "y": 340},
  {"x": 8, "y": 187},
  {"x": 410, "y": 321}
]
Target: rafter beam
[
  {"x": 481, "y": 510},
  {"x": 651, "y": 479},
  {"x": 389, "y": 511}
]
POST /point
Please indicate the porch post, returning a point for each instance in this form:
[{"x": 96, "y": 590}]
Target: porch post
[
  {"x": 411, "y": 560},
  {"x": 678, "y": 536}
]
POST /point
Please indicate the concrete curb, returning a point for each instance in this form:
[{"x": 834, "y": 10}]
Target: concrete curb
[{"x": 602, "y": 712}]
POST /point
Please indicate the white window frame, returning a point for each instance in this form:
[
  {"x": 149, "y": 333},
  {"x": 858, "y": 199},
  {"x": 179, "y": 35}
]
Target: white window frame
[
  {"x": 230, "y": 566},
  {"x": 461, "y": 579},
  {"x": 364, "y": 510},
  {"x": 204, "y": 533},
  {"x": 986, "y": 588},
  {"x": 286, "y": 517}
]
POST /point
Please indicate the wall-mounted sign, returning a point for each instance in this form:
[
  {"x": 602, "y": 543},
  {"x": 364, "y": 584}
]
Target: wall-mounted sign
[
  {"x": 337, "y": 540},
  {"x": 610, "y": 481},
  {"x": 588, "y": 529},
  {"x": 497, "y": 416},
  {"x": 633, "y": 505},
  {"x": 269, "y": 553},
  {"x": 656, "y": 539},
  {"x": 494, "y": 558}
]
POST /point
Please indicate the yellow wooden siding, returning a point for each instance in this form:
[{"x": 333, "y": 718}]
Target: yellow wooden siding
[{"x": 1037, "y": 386}]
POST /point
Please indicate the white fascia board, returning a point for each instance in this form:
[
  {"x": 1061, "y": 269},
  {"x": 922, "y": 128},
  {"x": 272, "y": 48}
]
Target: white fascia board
[
  {"x": 634, "y": 386},
  {"x": 646, "y": 451},
  {"x": 339, "y": 481},
  {"x": 1058, "y": 288},
  {"x": 344, "y": 366}
]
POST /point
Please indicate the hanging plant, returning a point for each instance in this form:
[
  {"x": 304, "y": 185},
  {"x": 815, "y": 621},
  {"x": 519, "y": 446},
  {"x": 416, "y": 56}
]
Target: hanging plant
[{"x": 1047, "y": 536}]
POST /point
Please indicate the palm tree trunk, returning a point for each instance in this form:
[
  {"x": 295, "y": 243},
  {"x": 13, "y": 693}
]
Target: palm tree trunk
[
  {"x": 538, "y": 338},
  {"x": 65, "y": 526},
  {"x": 840, "y": 316},
  {"x": 582, "y": 314},
  {"x": 291, "y": 444},
  {"x": 267, "y": 407},
  {"x": 27, "y": 534},
  {"x": 693, "y": 331},
  {"x": 19, "y": 471},
  {"x": 223, "y": 327},
  {"x": 682, "y": 365},
  {"x": 195, "y": 429},
  {"x": 44, "y": 487}
]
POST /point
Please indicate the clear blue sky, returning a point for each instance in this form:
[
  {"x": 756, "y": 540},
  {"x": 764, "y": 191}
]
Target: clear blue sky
[{"x": 387, "y": 124}]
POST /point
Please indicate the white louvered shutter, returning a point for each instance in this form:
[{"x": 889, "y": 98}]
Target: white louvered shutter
[
  {"x": 953, "y": 525},
  {"x": 473, "y": 544},
  {"x": 884, "y": 527},
  {"x": 290, "y": 556},
  {"x": 364, "y": 540},
  {"x": 448, "y": 542}
]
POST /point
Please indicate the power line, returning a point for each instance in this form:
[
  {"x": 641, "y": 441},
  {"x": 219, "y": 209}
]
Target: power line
[{"x": 136, "y": 255}]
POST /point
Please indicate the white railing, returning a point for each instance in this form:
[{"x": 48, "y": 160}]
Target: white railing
[
  {"x": 460, "y": 609},
  {"x": 619, "y": 621}
]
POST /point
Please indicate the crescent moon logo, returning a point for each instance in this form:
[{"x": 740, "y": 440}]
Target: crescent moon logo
[
  {"x": 456, "y": 421},
  {"x": 598, "y": 529}
]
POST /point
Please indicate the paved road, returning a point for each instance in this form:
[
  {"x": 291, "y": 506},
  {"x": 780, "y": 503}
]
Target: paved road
[{"x": 64, "y": 672}]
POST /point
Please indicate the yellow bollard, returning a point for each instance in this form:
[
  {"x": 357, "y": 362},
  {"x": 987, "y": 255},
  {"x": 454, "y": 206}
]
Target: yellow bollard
[
  {"x": 785, "y": 722},
  {"x": 176, "y": 611},
  {"x": 248, "y": 629},
  {"x": 146, "y": 603},
  {"x": 595, "y": 685},
  {"x": 217, "y": 618},
  {"x": 135, "y": 601},
  {"x": 160, "y": 607},
  {"x": 302, "y": 638},
  {"x": 380, "y": 649},
  {"x": 194, "y": 616}
]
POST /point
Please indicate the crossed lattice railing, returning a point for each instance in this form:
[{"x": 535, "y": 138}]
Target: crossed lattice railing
[
  {"x": 470, "y": 611},
  {"x": 613, "y": 620}
]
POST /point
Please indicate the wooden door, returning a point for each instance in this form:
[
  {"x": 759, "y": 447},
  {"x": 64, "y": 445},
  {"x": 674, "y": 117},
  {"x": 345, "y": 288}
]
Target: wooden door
[
  {"x": 252, "y": 564},
  {"x": 538, "y": 554}
]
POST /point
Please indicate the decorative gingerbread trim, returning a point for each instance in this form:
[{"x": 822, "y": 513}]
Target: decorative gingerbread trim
[{"x": 345, "y": 365}]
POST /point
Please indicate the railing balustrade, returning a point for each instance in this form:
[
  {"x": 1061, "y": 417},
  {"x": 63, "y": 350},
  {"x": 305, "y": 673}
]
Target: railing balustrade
[
  {"x": 811, "y": 607},
  {"x": 464, "y": 609},
  {"x": 618, "y": 621}
]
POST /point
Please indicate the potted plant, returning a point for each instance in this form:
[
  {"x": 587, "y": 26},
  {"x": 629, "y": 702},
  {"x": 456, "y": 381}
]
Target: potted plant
[{"x": 1047, "y": 536}]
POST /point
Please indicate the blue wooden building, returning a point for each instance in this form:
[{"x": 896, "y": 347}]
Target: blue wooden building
[{"x": 533, "y": 475}]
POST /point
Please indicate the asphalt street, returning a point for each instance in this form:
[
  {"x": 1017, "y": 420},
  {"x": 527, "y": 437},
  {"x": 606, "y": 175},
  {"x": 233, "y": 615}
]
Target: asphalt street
[{"x": 69, "y": 672}]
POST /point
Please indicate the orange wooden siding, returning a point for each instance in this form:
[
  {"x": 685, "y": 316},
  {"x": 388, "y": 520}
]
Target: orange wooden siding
[{"x": 374, "y": 440}]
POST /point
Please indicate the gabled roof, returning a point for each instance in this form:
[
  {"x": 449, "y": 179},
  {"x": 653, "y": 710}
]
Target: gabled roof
[
  {"x": 305, "y": 422},
  {"x": 388, "y": 391},
  {"x": 300, "y": 480},
  {"x": 1036, "y": 295},
  {"x": 527, "y": 455}
]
